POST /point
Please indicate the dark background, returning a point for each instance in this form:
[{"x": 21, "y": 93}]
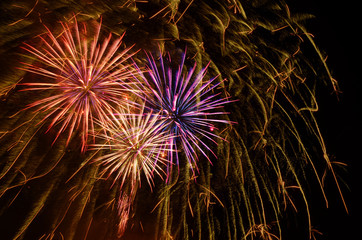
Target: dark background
[{"x": 337, "y": 32}]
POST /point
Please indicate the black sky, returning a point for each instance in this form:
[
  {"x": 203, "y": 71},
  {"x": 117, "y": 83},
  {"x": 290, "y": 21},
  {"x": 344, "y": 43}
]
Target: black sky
[{"x": 336, "y": 28}]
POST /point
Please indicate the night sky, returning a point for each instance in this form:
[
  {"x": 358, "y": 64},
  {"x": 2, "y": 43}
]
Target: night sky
[{"x": 336, "y": 30}]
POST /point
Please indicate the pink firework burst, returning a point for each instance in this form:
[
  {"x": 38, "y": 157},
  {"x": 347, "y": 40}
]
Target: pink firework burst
[{"x": 86, "y": 78}]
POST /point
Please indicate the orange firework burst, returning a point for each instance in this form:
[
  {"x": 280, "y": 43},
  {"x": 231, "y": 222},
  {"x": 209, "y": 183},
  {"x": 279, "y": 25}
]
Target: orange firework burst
[{"x": 86, "y": 78}]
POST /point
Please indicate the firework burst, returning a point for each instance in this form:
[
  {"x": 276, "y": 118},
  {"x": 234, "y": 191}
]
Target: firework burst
[
  {"x": 188, "y": 105},
  {"x": 135, "y": 144},
  {"x": 86, "y": 78}
]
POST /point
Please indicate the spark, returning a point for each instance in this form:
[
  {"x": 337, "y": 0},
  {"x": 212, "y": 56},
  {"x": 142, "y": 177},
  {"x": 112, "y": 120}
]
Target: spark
[
  {"x": 184, "y": 11},
  {"x": 31, "y": 10}
]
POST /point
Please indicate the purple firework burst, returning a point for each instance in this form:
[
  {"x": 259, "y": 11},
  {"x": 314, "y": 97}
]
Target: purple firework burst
[
  {"x": 188, "y": 105},
  {"x": 86, "y": 78}
]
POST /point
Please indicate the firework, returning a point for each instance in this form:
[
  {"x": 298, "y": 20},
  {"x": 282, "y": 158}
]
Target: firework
[
  {"x": 272, "y": 166},
  {"x": 85, "y": 78},
  {"x": 188, "y": 105},
  {"x": 135, "y": 144}
]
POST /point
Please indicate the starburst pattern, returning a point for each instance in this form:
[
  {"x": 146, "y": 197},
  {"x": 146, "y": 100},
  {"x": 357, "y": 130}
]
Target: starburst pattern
[
  {"x": 86, "y": 78},
  {"x": 188, "y": 105},
  {"x": 134, "y": 144}
]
